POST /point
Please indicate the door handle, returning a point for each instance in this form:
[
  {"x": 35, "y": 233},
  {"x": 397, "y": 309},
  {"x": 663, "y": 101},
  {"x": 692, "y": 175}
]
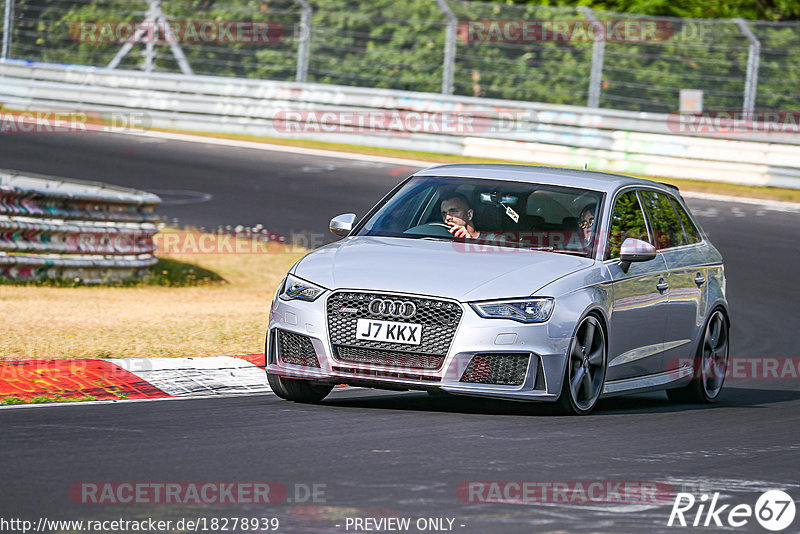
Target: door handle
[
  {"x": 662, "y": 285},
  {"x": 699, "y": 280}
]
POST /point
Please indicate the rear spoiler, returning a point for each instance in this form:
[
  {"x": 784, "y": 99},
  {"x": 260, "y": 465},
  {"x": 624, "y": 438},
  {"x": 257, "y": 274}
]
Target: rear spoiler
[{"x": 675, "y": 187}]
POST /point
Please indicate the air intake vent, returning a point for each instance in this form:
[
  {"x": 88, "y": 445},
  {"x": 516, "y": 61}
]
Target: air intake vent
[
  {"x": 500, "y": 368},
  {"x": 296, "y": 349}
]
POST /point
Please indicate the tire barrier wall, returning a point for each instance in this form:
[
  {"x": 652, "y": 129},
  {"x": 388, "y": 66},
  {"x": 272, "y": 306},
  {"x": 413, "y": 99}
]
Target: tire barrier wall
[
  {"x": 52, "y": 228},
  {"x": 571, "y": 136}
]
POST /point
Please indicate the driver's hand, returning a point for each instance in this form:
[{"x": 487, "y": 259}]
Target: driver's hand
[{"x": 460, "y": 232}]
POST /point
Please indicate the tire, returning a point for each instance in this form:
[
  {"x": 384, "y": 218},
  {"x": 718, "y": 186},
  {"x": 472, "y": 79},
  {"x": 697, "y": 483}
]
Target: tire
[
  {"x": 298, "y": 390},
  {"x": 585, "y": 371},
  {"x": 710, "y": 364}
]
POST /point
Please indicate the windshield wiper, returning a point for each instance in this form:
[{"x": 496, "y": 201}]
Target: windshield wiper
[
  {"x": 558, "y": 251},
  {"x": 566, "y": 251}
]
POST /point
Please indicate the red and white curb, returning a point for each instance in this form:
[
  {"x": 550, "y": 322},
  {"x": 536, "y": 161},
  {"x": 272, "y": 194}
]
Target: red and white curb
[
  {"x": 213, "y": 375},
  {"x": 40, "y": 381}
]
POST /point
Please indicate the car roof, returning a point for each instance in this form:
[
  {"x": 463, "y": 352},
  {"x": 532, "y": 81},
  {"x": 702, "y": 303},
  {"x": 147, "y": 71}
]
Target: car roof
[{"x": 584, "y": 179}]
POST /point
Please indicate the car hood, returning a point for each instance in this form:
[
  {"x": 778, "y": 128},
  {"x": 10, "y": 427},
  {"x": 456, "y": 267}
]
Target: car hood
[{"x": 441, "y": 268}]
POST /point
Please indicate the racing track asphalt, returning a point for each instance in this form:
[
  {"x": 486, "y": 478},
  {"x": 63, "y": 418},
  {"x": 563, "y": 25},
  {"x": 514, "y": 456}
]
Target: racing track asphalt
[{"x": 382, "y": 453}]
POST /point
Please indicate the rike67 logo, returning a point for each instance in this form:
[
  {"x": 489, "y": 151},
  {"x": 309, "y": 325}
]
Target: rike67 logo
[{"x": 774, "y": 510}]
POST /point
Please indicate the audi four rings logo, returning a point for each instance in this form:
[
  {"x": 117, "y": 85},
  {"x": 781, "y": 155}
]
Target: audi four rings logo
[{"x": 398, "y": 309}]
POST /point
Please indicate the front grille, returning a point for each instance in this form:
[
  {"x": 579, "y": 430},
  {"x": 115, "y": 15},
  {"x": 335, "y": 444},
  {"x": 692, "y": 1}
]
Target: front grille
[
  {"x": 296, "y": 349},
  {"x": 439, "y": 319},
  {"x": 502, "y": 369},
  {"x": 389, "y": 358}
]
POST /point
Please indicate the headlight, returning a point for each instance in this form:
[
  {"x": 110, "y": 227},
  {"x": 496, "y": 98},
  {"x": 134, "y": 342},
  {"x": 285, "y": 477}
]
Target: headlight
[
  {"x": 532, "y": 310},
  {"x": 298, "y": 289}
]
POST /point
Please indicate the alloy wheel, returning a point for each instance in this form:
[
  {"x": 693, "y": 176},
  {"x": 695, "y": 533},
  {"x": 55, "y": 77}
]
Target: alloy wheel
[
  {"x": 714, "y": 355},
  {"x": 587, "y": 359}
]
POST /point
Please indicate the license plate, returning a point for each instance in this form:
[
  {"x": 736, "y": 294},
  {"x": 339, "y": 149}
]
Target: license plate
[{"x": 389, "y": 331}]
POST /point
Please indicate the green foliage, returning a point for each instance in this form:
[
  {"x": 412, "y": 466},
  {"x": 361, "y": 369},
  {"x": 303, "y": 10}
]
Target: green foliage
[
  {"x": 703, "y": 9},
  {"x": 399, "y": 45},
  {"x": 627, "y": 220}
]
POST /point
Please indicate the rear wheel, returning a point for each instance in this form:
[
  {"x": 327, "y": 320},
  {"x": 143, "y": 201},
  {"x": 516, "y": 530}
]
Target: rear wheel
[
  {"x": 298, "y": 390},
  {"x": 710, "y": 364},
  {"x": 586, "y": 368}
]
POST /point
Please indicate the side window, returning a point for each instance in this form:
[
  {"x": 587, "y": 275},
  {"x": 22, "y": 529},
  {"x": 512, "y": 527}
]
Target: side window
[
  {"x": 692, "y": 233},
  {"x": 667, "y": 229},
  {"x": 627, "y": 220}
]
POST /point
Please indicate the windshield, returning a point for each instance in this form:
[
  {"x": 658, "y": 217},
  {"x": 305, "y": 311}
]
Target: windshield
[{"x": 502, "y": 213}]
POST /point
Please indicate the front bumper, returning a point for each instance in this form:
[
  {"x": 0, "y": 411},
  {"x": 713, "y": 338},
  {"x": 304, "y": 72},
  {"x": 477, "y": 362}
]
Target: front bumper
[{"x": 474, "y": 336}]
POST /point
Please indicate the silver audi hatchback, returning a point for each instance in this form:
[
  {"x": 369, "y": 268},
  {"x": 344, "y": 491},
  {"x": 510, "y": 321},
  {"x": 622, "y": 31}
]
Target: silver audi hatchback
[{"x": 511, "y": 282}]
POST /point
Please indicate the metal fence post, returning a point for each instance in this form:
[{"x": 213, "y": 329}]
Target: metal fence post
[
  {"x": 149, "y": 29},
  {"x": 598, "y": 56},
  {"x": 304, "y": 43},
  {"x": 751, "y": 78},
  {"x": 7, "y": 26},
  {"x": 449, "y": 47}
]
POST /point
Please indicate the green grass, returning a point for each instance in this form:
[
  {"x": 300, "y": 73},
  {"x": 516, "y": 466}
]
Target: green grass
[
  {"x": 41, "y": 399},
  {"x": 165, "y": 273}
]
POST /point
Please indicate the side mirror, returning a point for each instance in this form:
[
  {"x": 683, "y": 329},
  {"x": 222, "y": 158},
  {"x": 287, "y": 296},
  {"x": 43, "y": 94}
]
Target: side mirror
[
  {"x": 635, "y": 250},
  {"x": 341, "y": 225}
]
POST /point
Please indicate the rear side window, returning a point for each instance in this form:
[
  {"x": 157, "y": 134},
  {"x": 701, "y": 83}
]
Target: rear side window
[
  {"x": 627, "y": 220},
  {"x": 667, "y": 229},
  {"x": 692, "y": 233}
]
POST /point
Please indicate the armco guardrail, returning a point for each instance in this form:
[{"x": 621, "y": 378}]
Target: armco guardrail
[
  {"x": 619, "y": 141},
  {"x": 69, "y": 229}
]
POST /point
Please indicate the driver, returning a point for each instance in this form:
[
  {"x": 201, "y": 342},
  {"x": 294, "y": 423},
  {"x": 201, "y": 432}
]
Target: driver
[{"x": 459, "y": 216}]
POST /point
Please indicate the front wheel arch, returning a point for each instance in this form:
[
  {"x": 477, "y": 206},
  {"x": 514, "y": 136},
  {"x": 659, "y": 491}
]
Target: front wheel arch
[
  {"x": 695, "y": 391},
  {"x": 569, "y": 401}
]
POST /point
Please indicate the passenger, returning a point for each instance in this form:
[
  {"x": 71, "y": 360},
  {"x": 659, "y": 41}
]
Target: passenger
[
  {"x": 457, "y": 213},
  {"x": 586, "y": 224}
]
